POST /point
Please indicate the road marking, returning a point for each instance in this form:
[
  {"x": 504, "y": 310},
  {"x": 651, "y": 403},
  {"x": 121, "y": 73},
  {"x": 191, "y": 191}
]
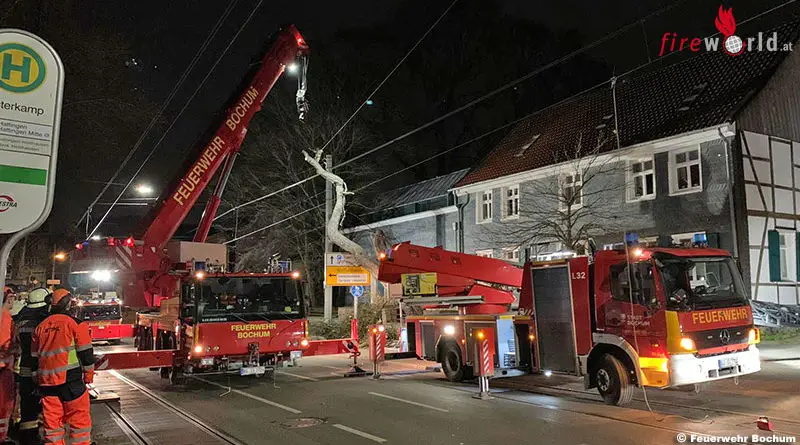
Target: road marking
[
  {"x": 257, "y": 398},
  {"x": 299, "y": 376},
  {"x": 410, "y": 402},
  {"x": 359, "y": 433}
]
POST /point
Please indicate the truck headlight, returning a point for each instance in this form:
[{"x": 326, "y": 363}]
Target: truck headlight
[
  {"x": 687, "y": 344},
  {"x": 753, "y": 336}
]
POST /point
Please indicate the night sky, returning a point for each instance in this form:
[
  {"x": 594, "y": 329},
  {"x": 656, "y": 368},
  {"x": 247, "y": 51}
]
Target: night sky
[{"x": 160, "y": 38}]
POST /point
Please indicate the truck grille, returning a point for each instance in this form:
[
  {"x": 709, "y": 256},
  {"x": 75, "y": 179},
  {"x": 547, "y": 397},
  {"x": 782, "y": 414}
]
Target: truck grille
[{"x": 719, "y": 337}]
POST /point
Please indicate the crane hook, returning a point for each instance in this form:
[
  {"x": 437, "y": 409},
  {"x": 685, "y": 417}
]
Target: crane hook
[{"x": 302, "y": 103}]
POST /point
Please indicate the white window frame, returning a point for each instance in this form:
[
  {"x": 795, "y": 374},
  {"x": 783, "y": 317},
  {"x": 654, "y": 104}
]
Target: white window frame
[
  {"x": 562, "y": 184},
  {"x": 787, "y": 252},
  {"x": 674, "y": 166},
  {"x": 486, "y": 253},
  {"x": 641, "y": 174},
  {"x": 506, "y": 199},
  {"x": 482, "y": 202},
  {"x": 514, "y": 254}
]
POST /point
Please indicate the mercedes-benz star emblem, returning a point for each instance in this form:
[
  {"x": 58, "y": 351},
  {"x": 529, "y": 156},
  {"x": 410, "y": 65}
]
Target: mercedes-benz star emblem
[{"x": 724, "y": 336}]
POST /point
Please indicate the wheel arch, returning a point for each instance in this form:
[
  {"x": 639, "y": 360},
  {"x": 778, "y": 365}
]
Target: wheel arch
[
  {"x": 441, "y": 342},
  {"x": 616, "y": 346}
]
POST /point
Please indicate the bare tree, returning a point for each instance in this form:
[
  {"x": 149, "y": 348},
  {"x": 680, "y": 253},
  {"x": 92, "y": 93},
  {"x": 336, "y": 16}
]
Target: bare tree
[
  {"x": 272, "y": 158},
  {"x": 573, "y": 205}
]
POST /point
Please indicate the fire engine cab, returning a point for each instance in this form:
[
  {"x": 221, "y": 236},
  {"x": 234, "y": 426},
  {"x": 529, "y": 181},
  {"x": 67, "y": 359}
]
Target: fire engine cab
[{"x": 656, "y": 317}]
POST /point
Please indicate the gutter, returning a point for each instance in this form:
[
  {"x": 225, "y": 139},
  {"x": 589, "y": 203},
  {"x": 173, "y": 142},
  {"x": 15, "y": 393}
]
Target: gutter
[{"x": 727, "y": 134}]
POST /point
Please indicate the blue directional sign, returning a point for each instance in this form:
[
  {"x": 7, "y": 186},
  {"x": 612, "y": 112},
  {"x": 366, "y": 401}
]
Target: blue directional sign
[{"x": 356, "y": 291}]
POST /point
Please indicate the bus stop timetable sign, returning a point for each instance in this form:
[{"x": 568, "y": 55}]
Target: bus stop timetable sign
[{"x": 31, "y": 91}]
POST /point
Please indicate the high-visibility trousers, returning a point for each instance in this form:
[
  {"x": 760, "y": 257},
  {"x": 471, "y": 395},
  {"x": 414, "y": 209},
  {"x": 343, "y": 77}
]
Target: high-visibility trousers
[
  {"x": 30, "y": 407},
  {"x": 7, "y": 395},
  {"x": 58, "y": 414}
]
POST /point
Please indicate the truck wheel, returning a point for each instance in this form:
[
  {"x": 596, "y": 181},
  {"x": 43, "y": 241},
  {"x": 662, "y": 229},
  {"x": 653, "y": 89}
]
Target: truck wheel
[
  {"x": 452, "y": 364},
  {"x": 613, "y": 381},
  {"x": 176, "y": 376}
]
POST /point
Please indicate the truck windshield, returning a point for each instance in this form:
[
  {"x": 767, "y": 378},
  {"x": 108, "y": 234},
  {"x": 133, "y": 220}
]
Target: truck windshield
[
  {"x": 91, "y": 312},
  {"x": 700, "y": 283},
  {"x": 247, "y": 298}
]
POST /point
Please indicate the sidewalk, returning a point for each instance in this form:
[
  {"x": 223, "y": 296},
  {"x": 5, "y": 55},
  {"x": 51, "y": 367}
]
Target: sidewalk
[{"x": 776, "y": 351}]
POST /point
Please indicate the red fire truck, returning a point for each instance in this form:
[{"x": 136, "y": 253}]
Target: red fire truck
[
  {"x": 195, "y": 315},
  {"x": 656, "y": 317},
  {"x": 104, "y": 319}
]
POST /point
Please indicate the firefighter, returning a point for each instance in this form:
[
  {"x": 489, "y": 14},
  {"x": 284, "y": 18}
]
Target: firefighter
[
  {"x": 8, "y": 355},
  {"x": 64, "y": 367},
  {"x": 25, "y": 323}
]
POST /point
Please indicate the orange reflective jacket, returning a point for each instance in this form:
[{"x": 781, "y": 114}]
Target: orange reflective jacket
[
  {"x": 6, "y": 349},
  {"x": 63, "y": 348}
]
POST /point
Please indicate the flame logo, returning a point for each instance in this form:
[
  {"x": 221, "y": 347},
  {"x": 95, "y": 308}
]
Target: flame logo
[{"x": 725, "y": 22}]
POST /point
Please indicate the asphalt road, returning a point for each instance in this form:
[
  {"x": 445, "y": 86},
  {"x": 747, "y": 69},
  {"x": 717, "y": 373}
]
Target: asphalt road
[{"x": 315, "y": 404}]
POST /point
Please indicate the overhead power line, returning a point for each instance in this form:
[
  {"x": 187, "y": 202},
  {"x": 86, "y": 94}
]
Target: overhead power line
[
  {"x": 180, "y": 113},
  {"x": 163, "y": 108},
  {"x": 481, "y": 136},
  {"x": 470, "y": 104},
  {"x": 352, "y": 116}
]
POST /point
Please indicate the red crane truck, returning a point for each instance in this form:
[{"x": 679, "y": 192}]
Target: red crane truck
[
  {"x": 205, "y": 319},
  {"x": 655, "y": 317}
]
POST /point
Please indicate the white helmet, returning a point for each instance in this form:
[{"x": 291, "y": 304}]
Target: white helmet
[{"x": 37, "y": 297}]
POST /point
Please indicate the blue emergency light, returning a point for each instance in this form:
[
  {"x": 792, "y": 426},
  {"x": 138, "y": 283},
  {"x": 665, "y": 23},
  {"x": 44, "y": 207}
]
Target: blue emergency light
[
  {"x": 700, "y": 238},
  {"x": 631, "y": 238}
]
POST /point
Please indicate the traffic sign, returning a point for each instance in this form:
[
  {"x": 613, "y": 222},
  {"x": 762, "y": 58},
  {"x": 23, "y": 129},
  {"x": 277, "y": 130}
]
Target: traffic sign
[
  {"x": 340, "y": 259},
  {"x": 357, "y": 291},
  {"x": 346, "y": 276},
  {"x": 31, "y": 91}
]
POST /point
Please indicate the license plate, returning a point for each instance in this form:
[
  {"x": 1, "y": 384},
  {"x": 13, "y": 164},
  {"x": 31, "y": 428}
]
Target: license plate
[
  {"x": 253, "y": 370},
  {"x": 727, "y": 363},
  {"x": 208, "y": 361},
  {"x": 294, "y": 355}
]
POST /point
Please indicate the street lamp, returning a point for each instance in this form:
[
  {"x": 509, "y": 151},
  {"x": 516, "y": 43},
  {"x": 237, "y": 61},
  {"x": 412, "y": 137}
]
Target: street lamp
[
  {"x": 143, "y": 189},
  {"x": 60, "y": 256}
]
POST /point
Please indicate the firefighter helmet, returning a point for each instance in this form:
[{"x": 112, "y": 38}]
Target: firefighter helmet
[{"x": 38, "y": 297}]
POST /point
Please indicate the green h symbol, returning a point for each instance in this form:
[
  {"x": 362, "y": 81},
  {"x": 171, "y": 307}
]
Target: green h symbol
[{"x": 8, "y": 66}]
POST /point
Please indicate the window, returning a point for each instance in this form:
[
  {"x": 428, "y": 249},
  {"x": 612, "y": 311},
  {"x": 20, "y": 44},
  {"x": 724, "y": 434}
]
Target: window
[
  {"x": 485, "y": 207},
  {"x": 642, "y": 182},
  {"x": 511, "y": 202},
  {"x": 643, "y": 287},
  {"x": 686, "y": 171},
  {"x": 511, "y": 255},
  {"x": 571, "y": 191},
  {"x": 787, "y": 256},
  {"x": 485, "y": 253}
]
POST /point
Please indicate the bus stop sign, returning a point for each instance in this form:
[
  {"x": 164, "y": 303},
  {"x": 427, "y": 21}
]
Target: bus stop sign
[{"x": 31, "y": 91}]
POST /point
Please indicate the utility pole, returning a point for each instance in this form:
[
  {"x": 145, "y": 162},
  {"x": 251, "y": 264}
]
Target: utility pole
[{"x": 328, "y": 301}]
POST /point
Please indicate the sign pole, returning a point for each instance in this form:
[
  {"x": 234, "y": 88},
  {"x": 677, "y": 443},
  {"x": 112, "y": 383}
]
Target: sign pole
[
  {"x": 328, "y": 290},
  {"x": 32, "y": 89}
]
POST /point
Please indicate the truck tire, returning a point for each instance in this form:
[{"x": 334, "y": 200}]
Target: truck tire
[
  {"x": 176, "y": 376},
  {"x": 452, "y": 363},
  {"x": 613, "y": 381}
]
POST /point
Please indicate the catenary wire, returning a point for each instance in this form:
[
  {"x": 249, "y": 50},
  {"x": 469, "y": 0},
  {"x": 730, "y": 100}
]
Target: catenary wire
[
  {"x": 180, "y": 113},
  {"x": 463, "y": 107},
  {"x": 162, "y": 109}
]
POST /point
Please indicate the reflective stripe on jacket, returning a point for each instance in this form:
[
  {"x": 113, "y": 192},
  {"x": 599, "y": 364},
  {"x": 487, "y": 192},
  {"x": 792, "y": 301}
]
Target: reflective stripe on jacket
[{"x": 63, "y": 348}]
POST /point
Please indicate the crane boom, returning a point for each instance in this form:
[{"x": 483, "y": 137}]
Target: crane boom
[{"x": 222, "y": 146}]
